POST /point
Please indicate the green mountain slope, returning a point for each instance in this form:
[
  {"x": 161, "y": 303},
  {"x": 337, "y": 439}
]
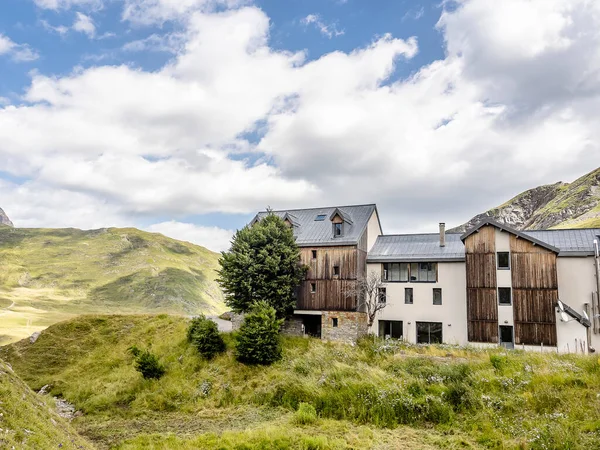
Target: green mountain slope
[
  {"x": 47, "y": 275},
  {"x": 375, "y": 395},
  {"x": 560, "y": 205},
  {"x": 28, "y": 421}
]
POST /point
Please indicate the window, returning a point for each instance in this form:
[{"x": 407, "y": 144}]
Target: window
[
  {"x": 334, "y": 322},
  {"x": 382, "y": 295},
  {"x": 336, "y": 271},
  {"x": 429, "y": 332},
  {"x": 320, "y": 217},
  {"x": 503, "y": 260},
  {"x": 314, "y": 254},
  {"x": 337, "y": 229},
  {"x": 313, "y": 288},
  {"x": 423, "y": 272},
  {"x": 408, "y": 296},
  {"x": 414, "y": 272},
  {"x": 390, "y": 329},
  {"x": 395, "y": 272},
  {"x": 504, "y": 296},
  {"x": 437, "y": 296}
]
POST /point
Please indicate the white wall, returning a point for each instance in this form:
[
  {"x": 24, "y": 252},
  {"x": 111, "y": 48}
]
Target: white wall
[
  {"x": 452, "y": 312},
  {"x": 373, "y": 230},
  {"x": 576, "y": 282},
  {"x": 504, "y": 279}
]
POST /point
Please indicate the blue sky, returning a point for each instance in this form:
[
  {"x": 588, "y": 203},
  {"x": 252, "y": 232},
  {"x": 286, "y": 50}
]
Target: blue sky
[{"x": 187, "y": 116}]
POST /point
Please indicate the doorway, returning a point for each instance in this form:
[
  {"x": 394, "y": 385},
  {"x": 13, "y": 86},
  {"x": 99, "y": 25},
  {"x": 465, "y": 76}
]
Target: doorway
[
  {"x": 507, "y": 337},
  {"x": 312, "y": 325}
]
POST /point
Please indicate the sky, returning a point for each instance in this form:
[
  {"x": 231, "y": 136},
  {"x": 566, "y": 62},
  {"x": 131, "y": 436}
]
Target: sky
[{"x": 186, "y": 117}]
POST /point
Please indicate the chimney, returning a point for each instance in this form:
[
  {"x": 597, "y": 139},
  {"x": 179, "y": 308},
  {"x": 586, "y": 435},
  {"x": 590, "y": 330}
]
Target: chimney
[{"x": 442, "y": 234}]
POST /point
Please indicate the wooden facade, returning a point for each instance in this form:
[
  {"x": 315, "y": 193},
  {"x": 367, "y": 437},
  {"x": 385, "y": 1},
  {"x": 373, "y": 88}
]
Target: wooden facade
[
  {"x": 482, "y": 301},
  {"x": 535, "y": 292},
  {"x": 331, "y": 290}
]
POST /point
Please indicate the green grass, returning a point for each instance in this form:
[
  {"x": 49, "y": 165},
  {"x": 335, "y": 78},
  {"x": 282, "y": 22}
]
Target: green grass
[
  {"x": 28, "y": 421},
  {"x": 54, "y": 274},
  {"x": 373, "y": 395}
]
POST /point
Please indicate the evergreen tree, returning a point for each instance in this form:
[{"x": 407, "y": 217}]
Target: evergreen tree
[
  {"x": 257, "y": 341},
  {"x": 262, "y": 264}
]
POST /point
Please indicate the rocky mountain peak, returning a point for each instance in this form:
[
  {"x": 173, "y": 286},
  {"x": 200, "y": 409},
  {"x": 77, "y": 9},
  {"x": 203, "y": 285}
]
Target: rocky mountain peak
[
  {"x": 4, "y": 220},
  {"x": 559, "y": 205}
]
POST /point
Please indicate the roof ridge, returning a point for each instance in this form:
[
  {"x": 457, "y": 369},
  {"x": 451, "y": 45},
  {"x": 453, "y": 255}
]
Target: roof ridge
[
  {"x": 563, "y": 229},
  {"x": 418, "y": 234},
  {"x": 321, "y": 207}
]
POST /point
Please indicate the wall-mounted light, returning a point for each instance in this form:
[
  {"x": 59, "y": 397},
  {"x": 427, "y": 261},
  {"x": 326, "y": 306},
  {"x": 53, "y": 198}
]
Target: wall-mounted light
[
  {"x": 506, "y": 321},
  {"x": 449, "y": 324}
]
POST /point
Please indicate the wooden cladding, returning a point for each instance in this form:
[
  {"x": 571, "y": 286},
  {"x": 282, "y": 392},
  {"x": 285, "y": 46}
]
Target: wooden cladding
[
  {"x": 482, "y": 241},
  {"x": 482, "y": 314},
  {"x": 535, "y": 292},
  {"x": 331, "y": 289},
  {"x": 482, "y": 300},
  {"x": 481, "y": 270},
  {"x": 331, "y": 295},
  {"x": 532, "y": 266},
  {"x": 321, "y": 267}
]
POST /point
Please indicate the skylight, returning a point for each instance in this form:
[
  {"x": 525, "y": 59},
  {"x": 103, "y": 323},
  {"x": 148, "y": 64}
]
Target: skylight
[{"x": 320, "y": 217}]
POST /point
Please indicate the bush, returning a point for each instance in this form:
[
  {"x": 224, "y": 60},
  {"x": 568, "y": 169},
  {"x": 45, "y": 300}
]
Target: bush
[
  {"x": 147, "y": 363},
  {"x": 306, "y": 414},
  {"x": 257, "y": 341},
  {"x": 204, "y": 335}
]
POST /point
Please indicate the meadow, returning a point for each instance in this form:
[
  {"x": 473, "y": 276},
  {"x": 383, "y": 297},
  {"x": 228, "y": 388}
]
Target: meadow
[
  {"x": 51, "y": 275},
  {"x": 376, "y": 394}
]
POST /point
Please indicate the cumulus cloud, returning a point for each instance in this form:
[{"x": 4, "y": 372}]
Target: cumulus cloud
[
  {"x": 17, "y": 52},
  {"x": 84, "y": 24},
  {"x": 514, "y": 103},
  {"x": 213, "y": 238},
  {"x": 330, "y": 30}
]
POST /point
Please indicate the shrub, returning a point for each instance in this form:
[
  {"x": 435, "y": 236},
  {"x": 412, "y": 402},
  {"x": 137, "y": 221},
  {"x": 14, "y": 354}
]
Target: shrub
[
  {"x": 306, "y": 414},
  {"x": 147, "y": 363},
  {"x": 257, "y": 341},
  {"x": 204, "y": 335}
]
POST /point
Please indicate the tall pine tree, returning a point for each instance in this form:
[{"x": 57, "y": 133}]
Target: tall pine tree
[{"x": 263, "y": 264}]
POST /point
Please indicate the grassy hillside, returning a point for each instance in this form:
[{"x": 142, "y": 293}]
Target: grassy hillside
[
  {"x": 28, "y": 421},
  {"x": 560, "y": 205},
  {"x": 382, "y": 395},
  {"x": 48, "y": 275}
]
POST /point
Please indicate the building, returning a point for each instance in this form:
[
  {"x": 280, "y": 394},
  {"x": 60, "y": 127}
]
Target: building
[{"x": 491, "y": 285}]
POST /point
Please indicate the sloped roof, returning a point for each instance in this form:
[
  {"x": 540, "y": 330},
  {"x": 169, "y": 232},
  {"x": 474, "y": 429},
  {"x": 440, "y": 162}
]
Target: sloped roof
[
  {"x": 417, "y": 247},
  {"x": 312, "y": 233},
  {"x": 426, "y": 247},
  {"x": 575, "y": 242},
  {"x": 503, "y": 227}
]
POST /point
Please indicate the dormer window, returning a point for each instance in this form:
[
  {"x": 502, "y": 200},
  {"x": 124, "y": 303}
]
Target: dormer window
[{"x": 337, "y": 229}]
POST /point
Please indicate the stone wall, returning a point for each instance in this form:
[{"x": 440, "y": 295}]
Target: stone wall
[
  {"x": 293, "y": 327},
  {"x": 350, "y": 326}
]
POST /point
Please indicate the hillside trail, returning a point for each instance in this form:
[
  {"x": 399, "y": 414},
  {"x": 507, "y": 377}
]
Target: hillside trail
[{"x": 7, "y": 309}]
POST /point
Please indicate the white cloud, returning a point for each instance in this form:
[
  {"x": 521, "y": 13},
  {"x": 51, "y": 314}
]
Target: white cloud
[
  {"x": 18, "y": 52},
  {"x": 60, "y": 29},
  {"x": 514, "y": 103},
  {"x": 148, "y": 12},
  {"x": 329, "y": 30},
  {"x": 213, "y": 238},
  {"x": 67, "y": 4},
  {"x": 170, "y": 43},
  {"x": 84, "y": 24}
]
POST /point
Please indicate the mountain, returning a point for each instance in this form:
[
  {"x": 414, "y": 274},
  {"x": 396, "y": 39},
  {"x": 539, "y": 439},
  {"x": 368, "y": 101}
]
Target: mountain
[
  {"x": 559, "y": 205},
  {"x": 4, "y": 220},
  {"x": 49, "y": 275}
]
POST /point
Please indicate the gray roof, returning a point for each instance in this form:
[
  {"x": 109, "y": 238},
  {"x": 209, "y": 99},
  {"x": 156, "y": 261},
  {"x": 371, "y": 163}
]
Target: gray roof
[
  {"x": 426, "y": 247},
  {"x": 417, "y": 247},
  {"x": 312, "y": 233},
  {"x": 575, "y": 242}
]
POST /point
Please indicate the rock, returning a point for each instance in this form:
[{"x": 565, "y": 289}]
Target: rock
[
  {"x": 64, "y": 408},
  {"x": 34, "y": 337},
  {"x": 4, "y": 220},
  {"x": 44, "y": 390}
]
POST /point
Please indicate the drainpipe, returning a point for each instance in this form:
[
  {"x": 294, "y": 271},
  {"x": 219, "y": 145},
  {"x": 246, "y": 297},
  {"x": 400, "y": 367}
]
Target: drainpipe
[{"x": 597, "y": 308}]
